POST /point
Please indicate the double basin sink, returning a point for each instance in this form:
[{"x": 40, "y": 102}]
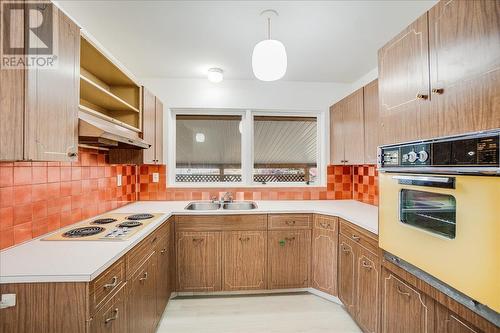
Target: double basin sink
[{"x": 235, "y": 205}]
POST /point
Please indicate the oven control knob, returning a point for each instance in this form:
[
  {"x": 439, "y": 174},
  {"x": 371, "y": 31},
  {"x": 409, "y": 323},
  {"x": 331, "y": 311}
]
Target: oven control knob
[
  {"x": 423, "y": 156},
  {"x": 412, "y": 157}
]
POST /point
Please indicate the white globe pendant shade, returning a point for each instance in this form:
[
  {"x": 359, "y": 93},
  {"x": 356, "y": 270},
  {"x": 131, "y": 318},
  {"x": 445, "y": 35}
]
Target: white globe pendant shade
[{"x": 269, "y": 60}]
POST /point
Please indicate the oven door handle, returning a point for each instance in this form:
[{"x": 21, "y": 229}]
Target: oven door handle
[{"x": 444, "y": 182}]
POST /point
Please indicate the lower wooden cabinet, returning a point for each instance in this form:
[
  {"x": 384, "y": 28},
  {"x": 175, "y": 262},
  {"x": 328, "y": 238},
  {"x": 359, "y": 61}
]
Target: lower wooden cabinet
[
  {"x": 289, "y": 257},
  {"x": 142, "y": 298},
  {"x": 347, "y": 273},
  {"x": 324, "y": 254},
  {"x": 244, "y": 260},
  {"x": 112, "y": 318},
  {"x": 198, "y": 261},
  {"x": 449, "y": 322},
  {"x": 404, "y": 308},
  {"x": 367, "y": 290},
  {"x": 163, "y": 274}
]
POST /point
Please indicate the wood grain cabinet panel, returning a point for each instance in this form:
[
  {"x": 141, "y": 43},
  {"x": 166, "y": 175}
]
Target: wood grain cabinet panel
[
  {"x": 244, "y": 255},
  {"x": 324, "y": 254},
  {"x": 52, "y": 97},
  {"x": 289, "y": 257},
  {"x": 354, "y": 128},
  {"x": 404, "y": 308},
  {"x": 106, "y": 284},
  {"x": 163, "y": 280},
  {"x": 198, "y": 261},
  {"x": 371, "y": 120},
  {"x": 404, "y": 87},
  {"x": 337, "y": 151},
  {"x": 112, "y": 318},
  {"x": 290, "y": 221},
  {"x": 367, "y": 290},
  {"x": 347, "y": 274},
  {"x": 464, "y": 39},
  {"x": 149, "y": 125},
  {"x": 449, "y": 322},
  {"x": 159, "y": 131}
]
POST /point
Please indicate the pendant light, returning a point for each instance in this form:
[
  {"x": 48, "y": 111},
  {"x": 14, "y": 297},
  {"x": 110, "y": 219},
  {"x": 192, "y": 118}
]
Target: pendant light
[{"x": 269, "y": 59}]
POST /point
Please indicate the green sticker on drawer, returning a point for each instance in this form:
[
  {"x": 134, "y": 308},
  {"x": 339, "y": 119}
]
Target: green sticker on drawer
[{"x": 282, "y": 242}]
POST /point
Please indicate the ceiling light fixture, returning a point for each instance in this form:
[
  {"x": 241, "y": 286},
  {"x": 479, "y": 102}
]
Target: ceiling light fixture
[
  {"x": 215, "y": 75},
  {"x": 200, "y": 137},
  {"x": 269, "y": 59}
]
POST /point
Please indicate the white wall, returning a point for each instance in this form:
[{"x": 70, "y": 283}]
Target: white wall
[{"x": 246, "y": 94}]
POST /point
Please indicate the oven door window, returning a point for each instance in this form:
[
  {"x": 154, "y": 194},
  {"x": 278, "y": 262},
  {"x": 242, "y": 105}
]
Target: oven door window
[{"x": 434, "y": 212}]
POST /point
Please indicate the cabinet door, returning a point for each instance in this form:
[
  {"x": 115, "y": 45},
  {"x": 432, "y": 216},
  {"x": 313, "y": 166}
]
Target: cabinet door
[
  {"x": 289, "y": 258},
  {"x": 198, "y": 261},
  {"x": 353, "y": 128},
  {"x": 347, "y": 273},
  {"x": 371, "y": 118},
  {"x": 112, "y": 318},
  {"x": 12, "y": 98},
  {"x": 336, "y": 134},
  {"x": 148, "y": 125},
  {"x": 448, "y": 322},
  {"x": 404, "y": 308},
  {"x": 244, "y": 260},
  {"x": 163, "y": 274},
  {"x": 367, "y": 290},
  {"x": 324, "y": 255},
  {"x": 464, "y": 39},
  {"x": 159, "y": 132},
  {"x": 404, "y": 86},
  {"x": 52, "y": 98},
  {"x": 142, "y": 298}
]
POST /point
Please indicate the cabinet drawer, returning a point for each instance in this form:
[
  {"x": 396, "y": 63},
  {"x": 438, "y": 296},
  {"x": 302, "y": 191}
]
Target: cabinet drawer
[
  {"x": 140, "y": 253},
  {"x": 221, "y": 223},
  {"x": 113, "y": 315},
  {"x": 325, "y": 222},
  {"x": 290, "y": 221},
  {"x": 359, "y": 236},
  {"x": 106, "y": 284}
]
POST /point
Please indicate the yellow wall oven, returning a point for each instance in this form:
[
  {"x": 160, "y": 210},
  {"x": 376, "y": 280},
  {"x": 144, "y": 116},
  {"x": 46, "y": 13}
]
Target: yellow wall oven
[{"x": 439, "y": 210}]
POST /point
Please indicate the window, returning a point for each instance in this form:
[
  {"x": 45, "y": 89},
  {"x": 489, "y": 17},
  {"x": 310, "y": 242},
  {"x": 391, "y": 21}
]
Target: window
[
  {"x": 246, "y": 148},
  {"x": 285, "y": 150},
  {"x": 208, "y": 149}
]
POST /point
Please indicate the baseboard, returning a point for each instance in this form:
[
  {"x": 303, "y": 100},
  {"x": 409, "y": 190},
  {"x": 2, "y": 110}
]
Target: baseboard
[{"x": 326, "y": 296}]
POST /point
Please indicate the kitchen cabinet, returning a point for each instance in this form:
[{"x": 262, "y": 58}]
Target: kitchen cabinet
[
  {"x": 324, "y": 254},
  {"x": 198, "y": 261},
  {"x": 152, "y": 128},
  {"x": 367, "y": 290},
  {"x": 112, "y": 318},
  {"x": 347, "y": 130},
  {"x": 289, "y": 258},
  {"x": 347, "y": 273},
  {"x": 464, "y": 46},
  {"x": 449, "y": 322},
  {"x": 142, "y": 298},
  {"x": 404, "y": 308},
  {"x": 371, "y": 121},
  {"x": 404, "y": 87},
  {"x": 38, "y": 102},
  {"x": 244, "y": 260},
  {"x": 163, "y": 273}
]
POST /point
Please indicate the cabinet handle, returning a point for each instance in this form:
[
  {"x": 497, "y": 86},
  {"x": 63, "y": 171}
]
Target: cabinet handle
[
  {"x": 289, "y": 239},
  {"x": 365, "y": 265},
  {"x": 198, "y": 239},
  {"x": 290, "y": 222},
  {"x": 398, "y": 289},
  {"x": 437, "y": 91},
  {"x": 356, "y": 238},
  {"x": 422, "y": 96},
  {"x": 115, "y": 316},
  {"x": 346, "y": 249},
  {"x": 163, "y": 251},
  {"x": 324, "y": 225},
  {"x": 144, "y": 277},
  {"x": 114, "y": 282},
  {"x": 244, "y": 239}
]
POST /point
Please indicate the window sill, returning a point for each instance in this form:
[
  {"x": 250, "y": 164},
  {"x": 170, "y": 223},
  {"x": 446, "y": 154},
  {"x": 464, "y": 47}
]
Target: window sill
[{"x": 244, "y": 186}]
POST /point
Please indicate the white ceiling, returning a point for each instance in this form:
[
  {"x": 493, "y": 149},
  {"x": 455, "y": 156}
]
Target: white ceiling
[{"x": 326, "y": 41}]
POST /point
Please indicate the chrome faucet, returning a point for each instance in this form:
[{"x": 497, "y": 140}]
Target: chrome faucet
[{"x": 227, "y": 197}]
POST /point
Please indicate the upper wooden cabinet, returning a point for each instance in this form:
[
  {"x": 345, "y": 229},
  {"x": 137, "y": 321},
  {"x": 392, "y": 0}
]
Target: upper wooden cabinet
[
  {"x": 464, "y": 45},
  {"x": 347, "y": 130},
  {"x": 152, "y": 128},
  {"x": 42, "y": 103},
  {"x": 440, "y": 75},
  {"x": 371, "y": 121},
  {"x": 404, "y": 88}
]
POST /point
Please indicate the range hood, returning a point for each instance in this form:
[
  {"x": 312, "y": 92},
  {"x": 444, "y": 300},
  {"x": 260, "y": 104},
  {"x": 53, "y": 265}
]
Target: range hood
[{"x": 95, "y": 131}]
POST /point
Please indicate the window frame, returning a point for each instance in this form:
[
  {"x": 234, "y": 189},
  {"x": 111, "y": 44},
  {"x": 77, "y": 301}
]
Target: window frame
[{"x": 247, "y": 148}]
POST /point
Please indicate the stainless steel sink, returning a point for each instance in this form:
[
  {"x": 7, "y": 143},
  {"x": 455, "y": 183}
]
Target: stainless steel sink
[
  {"x": 203, "y": 205},
  {"x": 239, "y": 205}
]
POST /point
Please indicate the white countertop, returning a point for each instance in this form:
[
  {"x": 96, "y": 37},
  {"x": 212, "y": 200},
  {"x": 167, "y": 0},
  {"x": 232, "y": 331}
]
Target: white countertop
[{"x": 77, "y": 261}]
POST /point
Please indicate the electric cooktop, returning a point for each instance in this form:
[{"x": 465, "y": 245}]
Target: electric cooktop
[{"x": 115, "y": 226}]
